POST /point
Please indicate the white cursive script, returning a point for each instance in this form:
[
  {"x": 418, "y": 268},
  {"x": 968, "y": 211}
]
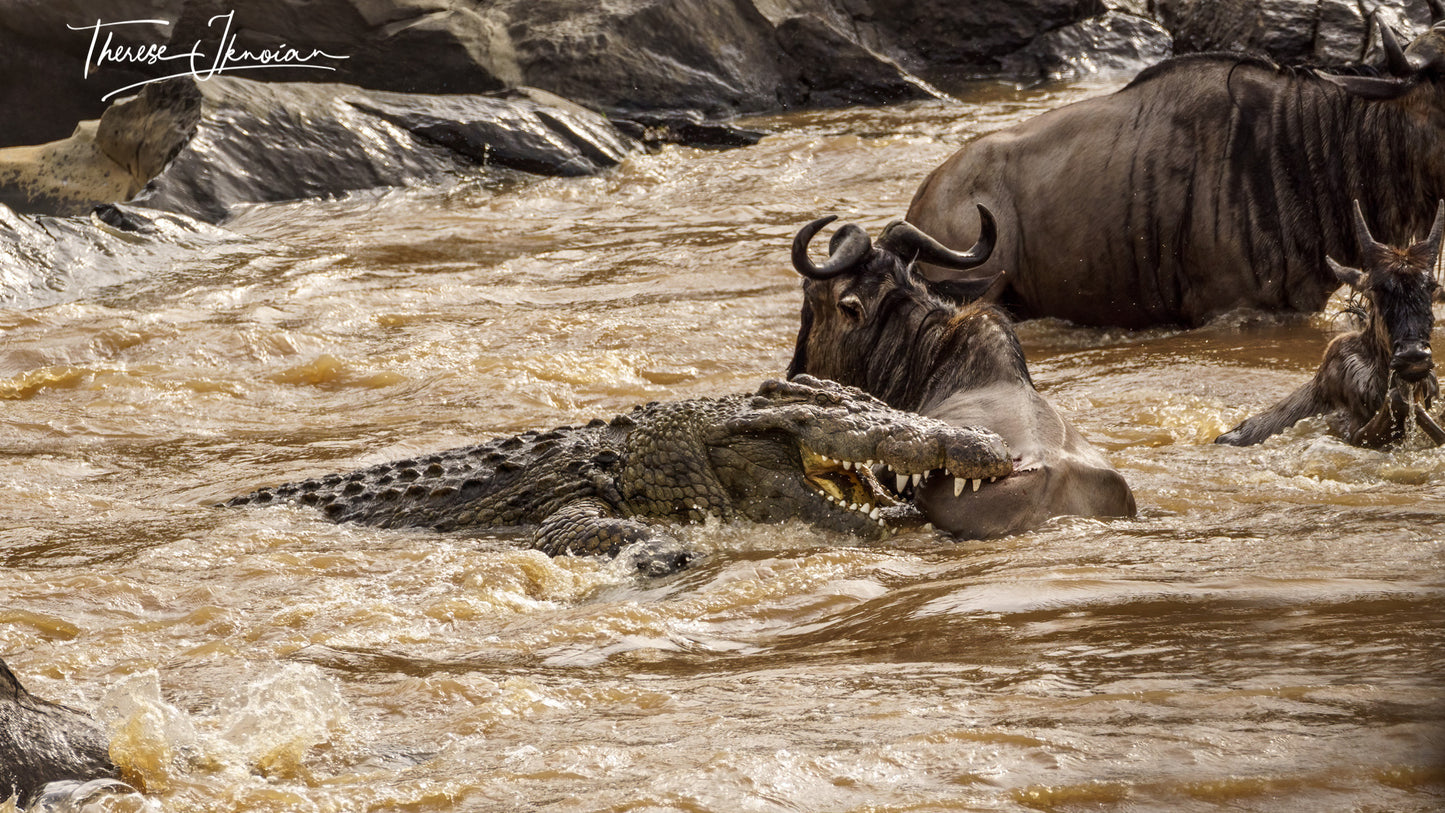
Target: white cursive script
[{"x": 227, "y": 57}]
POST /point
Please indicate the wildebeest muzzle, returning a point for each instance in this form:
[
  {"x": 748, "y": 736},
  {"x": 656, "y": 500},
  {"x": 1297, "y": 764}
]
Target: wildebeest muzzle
[{"x": 1412, "y": 360}]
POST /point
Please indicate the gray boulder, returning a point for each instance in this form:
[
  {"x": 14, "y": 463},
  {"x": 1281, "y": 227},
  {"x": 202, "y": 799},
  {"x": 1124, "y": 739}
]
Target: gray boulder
[
  {"x": 202, "y": 147},
  {"x": 714, "y": 57},
  {"x": 43, "y": 742},
  {"x": 1329, "y": 33},
  {"x": 1111, "y": 43}
]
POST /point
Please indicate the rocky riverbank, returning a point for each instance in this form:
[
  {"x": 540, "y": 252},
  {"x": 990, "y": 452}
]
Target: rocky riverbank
[
  {"x": 418, "y": 90},
  {"x": 716, "y": 58}
]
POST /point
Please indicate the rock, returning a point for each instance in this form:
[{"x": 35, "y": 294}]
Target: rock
[
  {"x": 43, "y": 742},
  {"x": 685, "y": 127},
  {"x": 42, "y": 65},
  {"x": 64, "y": 177},
  {"x": 202, "y": 147},
  {"x": 947, "y": 41},
  {"x": 1111, "y": 43},
  {"x": 718, "y": 58},
  {"x": 838, "y": 71},
  {"x": 1329, "y": 33},
  {"x": 532, "y": 131},
  {"x": 45, "y": 260}
]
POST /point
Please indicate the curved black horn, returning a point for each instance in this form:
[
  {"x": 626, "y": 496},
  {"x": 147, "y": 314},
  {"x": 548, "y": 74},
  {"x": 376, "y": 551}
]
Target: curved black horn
[
  {"x": 901, "y": 237},
  {"x": 1395, "y": 60},
  {"x": 1362, "y": 230},
  {"x": 1432, "y": 242},
  {"x": 1437, "y": 11},
  {"x": 854, "y": 246}
]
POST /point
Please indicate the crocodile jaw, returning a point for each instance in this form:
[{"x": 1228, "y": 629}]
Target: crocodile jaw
[{"x": 847, "y": 483}]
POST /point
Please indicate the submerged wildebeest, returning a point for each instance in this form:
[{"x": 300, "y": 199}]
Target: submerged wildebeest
[
  {"x": 869, "y": 319},
  {"x": 1209, "y": 183},
  {"x": 1374, "y": 380},
  {"x": 43, "y": 742}
]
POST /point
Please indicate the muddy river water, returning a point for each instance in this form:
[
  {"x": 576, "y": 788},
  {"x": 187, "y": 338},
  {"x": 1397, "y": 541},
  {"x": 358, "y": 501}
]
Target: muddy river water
[{"x": 1268, "y": 635}]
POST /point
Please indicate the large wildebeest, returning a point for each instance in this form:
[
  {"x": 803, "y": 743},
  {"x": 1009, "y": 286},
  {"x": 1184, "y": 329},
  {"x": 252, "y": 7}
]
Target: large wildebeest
[
  {"x": 1209, "y": 183},
  {"x": 870, "y": 320},
  {"x": 1374, "y": 380},
  {"x": 43, "y": 742}
]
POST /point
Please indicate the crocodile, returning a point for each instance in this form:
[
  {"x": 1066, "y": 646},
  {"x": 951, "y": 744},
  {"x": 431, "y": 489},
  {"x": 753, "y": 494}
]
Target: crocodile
[{"x": 803, "y": 449}]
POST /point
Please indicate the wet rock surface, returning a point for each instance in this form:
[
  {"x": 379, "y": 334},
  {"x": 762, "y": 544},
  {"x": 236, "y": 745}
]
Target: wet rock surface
[
  {"x": 45, "y": 260},
  {"x": 43, "y": 742},
  {"x": 715, "y": 57},
  {"x": 1321, "y": 32},
  {"x": 1111, "y": 43},
  {"x": 201, "y": 148}
]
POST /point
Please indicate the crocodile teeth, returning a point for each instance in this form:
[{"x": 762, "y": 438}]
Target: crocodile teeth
[
  {"x": 902, "y": 482},
  {"x": 957, "y": 486},
  {"x": 976, "y": 484},
  {"x": 874, "y": 513},
  {"x": 848, "y": 465},
  {"x": 917, "y": 478}
]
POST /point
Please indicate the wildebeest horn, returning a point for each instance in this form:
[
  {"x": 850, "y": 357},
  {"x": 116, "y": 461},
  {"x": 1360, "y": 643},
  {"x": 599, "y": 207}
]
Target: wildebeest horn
[
  {"x": 852, "y": 245},
  {"x": 1362, "y": 230},
  {"x": 1437, "y": 11},
  {"x": 1395, "y": 60},
  {"x": 901, "y": 237},
  {"x": 1432, "y": 242}
]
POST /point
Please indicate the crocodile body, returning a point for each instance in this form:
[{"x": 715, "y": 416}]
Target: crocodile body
[{"x": 803, "y": 449}]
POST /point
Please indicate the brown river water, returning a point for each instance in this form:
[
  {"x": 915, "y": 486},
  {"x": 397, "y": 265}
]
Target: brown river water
[{"x": 1268, "y": 635}]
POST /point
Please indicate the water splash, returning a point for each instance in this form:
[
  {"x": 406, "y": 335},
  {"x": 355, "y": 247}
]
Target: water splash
[
  {"x": 263, "y": 731},
  {"x": 95, "y": 796}
]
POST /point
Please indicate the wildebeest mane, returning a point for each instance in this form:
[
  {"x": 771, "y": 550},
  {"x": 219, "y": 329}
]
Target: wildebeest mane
[{"x": 1240, "y": 59}]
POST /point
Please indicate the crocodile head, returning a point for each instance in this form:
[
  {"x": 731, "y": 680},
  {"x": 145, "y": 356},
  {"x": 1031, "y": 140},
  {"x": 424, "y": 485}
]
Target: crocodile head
[{"x": 815, "y": 450}]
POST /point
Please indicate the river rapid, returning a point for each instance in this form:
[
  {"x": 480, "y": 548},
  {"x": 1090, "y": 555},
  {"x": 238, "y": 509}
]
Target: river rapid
[{"x": 1266, "y": 636}]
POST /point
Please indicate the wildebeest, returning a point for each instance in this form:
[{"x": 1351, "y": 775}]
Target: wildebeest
[
  {"x": 1374, "y": 380},
  {"x": 869, "y": 319},
  {"x": 43, "y": 742},
  {"x": 1209, "y": 183}
]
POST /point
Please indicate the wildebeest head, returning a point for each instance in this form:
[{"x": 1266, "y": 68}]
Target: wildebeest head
[
  {"x": 866, "y": 306},
  {"x": 1397, "y": 285},
  {"x": 872, "y": 320}
]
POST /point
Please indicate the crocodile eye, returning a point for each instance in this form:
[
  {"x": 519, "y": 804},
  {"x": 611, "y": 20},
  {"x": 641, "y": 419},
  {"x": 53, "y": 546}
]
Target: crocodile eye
[{"x": 851, "y": 307}]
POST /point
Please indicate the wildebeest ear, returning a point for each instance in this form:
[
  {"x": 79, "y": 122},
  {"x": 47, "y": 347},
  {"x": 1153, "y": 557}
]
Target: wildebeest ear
[
  {"x": 1374, "y": 88},
  {"x": 1353, "y": 277}
]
